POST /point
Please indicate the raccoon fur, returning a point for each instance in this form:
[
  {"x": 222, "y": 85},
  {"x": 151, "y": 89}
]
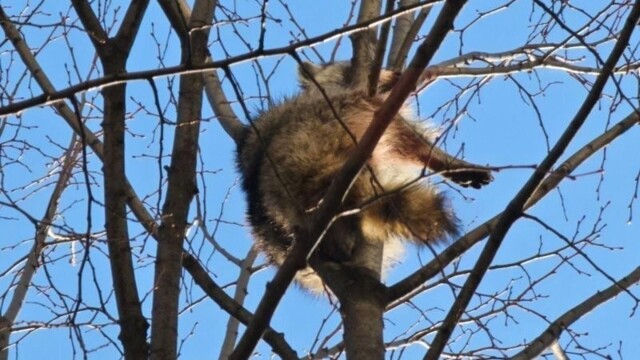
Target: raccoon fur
[{"x": 290, "y": 154}]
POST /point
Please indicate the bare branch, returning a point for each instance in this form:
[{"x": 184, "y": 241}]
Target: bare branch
[
  {"x": 381, "y": 49},
  {"x": 404, "y": 289},
  {"x": 498, "y": 98},
  {"x": 181, "y": 188},
  {"x": 128, "y": 30},
  {"x": 555, "y": 329},
  {"x": 139, "y": 210},
  {"x": 200, "y": 276},
  {"x": 515, "y": 207},
  {"x": 343, "y": 180},
  {"x": 405, "y": 40},
  {"x": 364, "y": 45},
  {"x": 212, "y": 85},
  {"x": 91, "y": 23},
  {"x": 220, "y": 105},
  {"x": 400, "y": 29},
  {"x": 111, "y": 80},
  {"x": 41, "y": 233},
  {"x": 113, "y": 54},
  {"x": 231, "y": 335}
]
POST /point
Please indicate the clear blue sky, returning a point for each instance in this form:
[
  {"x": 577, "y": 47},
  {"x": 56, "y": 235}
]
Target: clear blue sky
[{"x": 499, "y": 129}]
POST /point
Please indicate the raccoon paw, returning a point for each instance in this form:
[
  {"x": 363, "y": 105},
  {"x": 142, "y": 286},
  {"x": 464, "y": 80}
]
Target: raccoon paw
[{"x": 475, "y": 178}]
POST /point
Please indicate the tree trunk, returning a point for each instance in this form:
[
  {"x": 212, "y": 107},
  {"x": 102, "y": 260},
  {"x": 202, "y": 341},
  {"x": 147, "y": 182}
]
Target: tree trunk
[{"x": 362, "y": 298}]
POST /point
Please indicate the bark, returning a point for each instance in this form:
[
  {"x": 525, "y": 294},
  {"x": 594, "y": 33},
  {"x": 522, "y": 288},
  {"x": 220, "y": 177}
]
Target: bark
[
  {"x": 133, "y": 324},
  {"x": 5, "y": 332},
  {"x": 239, "y": 296},
  {"x": 113, "y": 54},
  {"x": 404, "y": 35},
  {"x": 364, "y": 44},
  {"x": 381, "y": 49},
  {"x": 401, "y": 28},
  {"x": 362, "y": 321},
  {"x": 362, "y": 300},
  {"x": 181, "y": 188}
]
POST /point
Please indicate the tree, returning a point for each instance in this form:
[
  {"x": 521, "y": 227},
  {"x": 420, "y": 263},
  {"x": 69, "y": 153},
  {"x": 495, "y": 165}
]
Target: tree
[{"x": 125, "y": 225}]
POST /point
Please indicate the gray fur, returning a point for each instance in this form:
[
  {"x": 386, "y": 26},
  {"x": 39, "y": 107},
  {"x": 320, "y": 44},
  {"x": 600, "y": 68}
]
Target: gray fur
[{"x": 292, "y": 153}]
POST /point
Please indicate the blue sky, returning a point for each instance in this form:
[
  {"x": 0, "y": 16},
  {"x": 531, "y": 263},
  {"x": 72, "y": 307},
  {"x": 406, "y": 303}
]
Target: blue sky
[{"x": 499, "y": 129}]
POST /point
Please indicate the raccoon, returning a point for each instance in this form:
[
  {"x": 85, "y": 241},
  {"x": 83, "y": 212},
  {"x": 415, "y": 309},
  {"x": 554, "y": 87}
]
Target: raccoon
[{"x": 290, "y": 154}]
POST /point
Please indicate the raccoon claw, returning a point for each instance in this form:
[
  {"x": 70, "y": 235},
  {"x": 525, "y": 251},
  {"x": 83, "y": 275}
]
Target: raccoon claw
[{"x": 471, "y": 178}]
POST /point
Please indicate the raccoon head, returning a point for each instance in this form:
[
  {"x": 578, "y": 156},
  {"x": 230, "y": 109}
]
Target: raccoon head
[{"x": 337, "y": 76}]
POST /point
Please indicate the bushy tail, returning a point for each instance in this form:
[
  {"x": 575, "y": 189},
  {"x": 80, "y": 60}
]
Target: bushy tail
[{"x": 418, "y": 213}]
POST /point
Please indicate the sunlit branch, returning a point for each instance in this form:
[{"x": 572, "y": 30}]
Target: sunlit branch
[
  {"x": 41, "y": 232},
  {"x": 404, "y": 289},
  {"x": 136, "y": 205},
  {"x": 343, "y": 180},
  {"x": 515, "y": 207},
  {"x": 555, "y": 329},
  {"x": 106, "y": 81}
]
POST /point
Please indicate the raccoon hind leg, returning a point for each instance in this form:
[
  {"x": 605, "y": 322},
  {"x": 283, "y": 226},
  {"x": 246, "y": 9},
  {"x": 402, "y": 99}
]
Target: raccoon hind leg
[{"x": 412, "y": 142}]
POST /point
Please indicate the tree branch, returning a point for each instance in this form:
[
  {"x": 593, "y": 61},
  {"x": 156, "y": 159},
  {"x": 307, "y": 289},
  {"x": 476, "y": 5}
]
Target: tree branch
[
  {"x": 193, "y": 267},
  {"x": 213, "y": 88},
  {"x": 403, "y": 44},
  {"x": 111, "y": 80},
  {"x": 342, "y": 181},
  {"x": 200, "y": 276},
  {"x": 41, "y": 232},
  {"x": 113, "y": 54},
  {"x": 181, "y": 188},
  {"x": 130, "y": 26},
  {"x": 364, "y": 45},
  {"x": 91, "y": 23},
  {"x": 400, "y": 28},
  {"x": 404, "y": 289},
  {"x": 555, "y": 329},
  {"x": 381, "y": 49},
  {"x": 231, "y": 334},
  {"x": 516, "y": 206}
]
